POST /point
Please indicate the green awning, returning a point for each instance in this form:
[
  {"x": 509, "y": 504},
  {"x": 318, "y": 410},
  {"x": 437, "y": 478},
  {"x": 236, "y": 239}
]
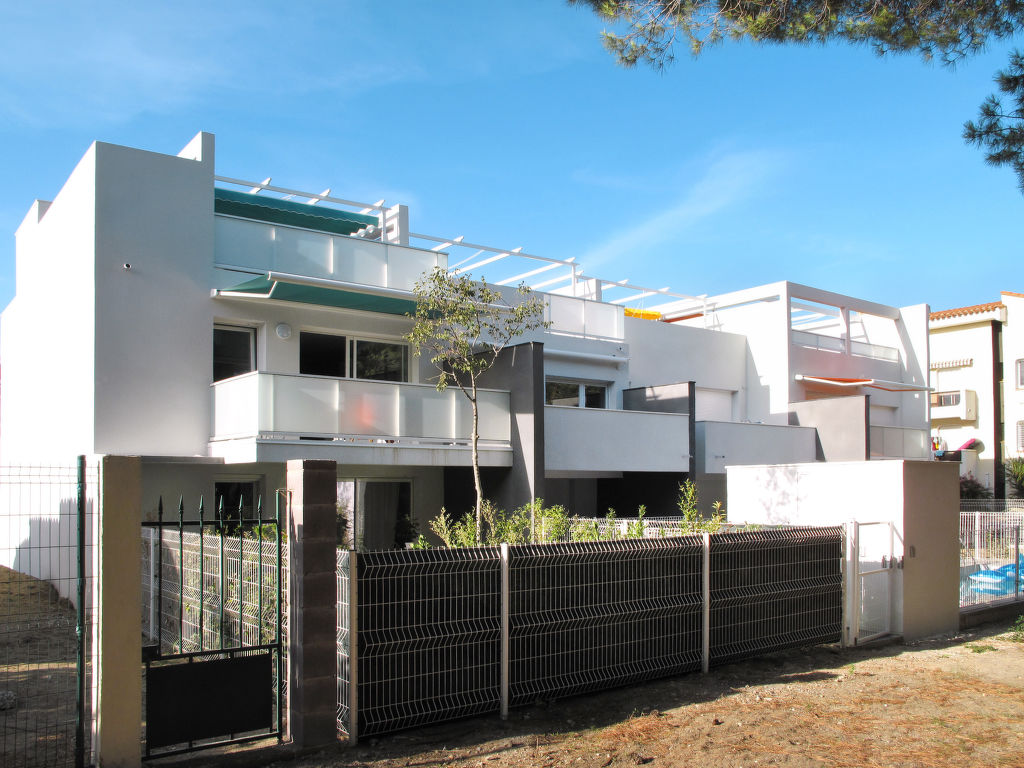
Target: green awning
[
  {"x": 268, "y": 287},
  {"x": 274, "y": 210}
]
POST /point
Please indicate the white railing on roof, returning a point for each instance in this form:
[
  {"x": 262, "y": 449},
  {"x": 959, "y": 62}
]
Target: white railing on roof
[{"x": 498, "y": 266}]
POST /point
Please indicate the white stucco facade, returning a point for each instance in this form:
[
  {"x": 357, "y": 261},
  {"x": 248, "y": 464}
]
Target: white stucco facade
[{"x": 108, "y": 348}]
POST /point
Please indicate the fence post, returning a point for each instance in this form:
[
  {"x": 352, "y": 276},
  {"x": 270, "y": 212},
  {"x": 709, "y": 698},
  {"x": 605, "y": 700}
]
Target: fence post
[
  {"x": 1016, "y": 562},
  {"x": 705, "y": 641},
  {"x": 312, "y": 604},
  {"x": 505, "y": 600},
  {"x": 119, "y": 641},
  {"x": 353, "y": 647},
  {"x": 977, "y": 534},
  {"x": 847, "y": 569}
]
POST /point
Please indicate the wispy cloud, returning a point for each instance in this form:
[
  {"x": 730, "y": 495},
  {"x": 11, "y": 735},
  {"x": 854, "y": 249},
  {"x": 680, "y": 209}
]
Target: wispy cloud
[{"x": 728, "y": 180}]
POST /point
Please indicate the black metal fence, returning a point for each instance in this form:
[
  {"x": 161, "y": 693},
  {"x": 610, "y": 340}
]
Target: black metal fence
[{"x": 445, "y": 633}]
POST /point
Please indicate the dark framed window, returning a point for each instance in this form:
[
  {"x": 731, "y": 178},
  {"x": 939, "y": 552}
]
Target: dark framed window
[
  {"x": 323, "y": 354},
  {"x": 235, "y": 495},
  {"x": 379, "y": 360},
  {"x": 234, "y": 351},
  {"x": 575, "y": 394}
]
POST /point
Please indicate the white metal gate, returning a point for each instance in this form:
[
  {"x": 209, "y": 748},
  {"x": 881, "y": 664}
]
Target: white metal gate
[{"x": 871, "y": 580}]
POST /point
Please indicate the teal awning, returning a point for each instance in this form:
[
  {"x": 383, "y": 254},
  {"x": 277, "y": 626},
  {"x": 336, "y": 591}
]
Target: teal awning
[
  {"x": 274, "y": 210},
  {"x": 273, "y": 286}
]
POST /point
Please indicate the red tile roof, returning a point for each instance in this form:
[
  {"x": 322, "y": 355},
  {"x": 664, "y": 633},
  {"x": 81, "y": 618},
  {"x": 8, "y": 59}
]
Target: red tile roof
[{"x": 977, "y": 309}]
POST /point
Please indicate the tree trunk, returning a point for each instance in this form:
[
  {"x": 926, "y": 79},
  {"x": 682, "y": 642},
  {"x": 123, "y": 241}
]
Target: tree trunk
[{"x": 476, "y": 470}]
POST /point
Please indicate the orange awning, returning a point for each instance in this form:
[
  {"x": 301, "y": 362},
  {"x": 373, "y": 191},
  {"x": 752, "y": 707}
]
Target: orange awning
[{"x": 841, "y": 381}]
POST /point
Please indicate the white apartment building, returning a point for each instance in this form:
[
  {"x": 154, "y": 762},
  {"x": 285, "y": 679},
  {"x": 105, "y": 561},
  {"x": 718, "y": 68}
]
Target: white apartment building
[
  {"x": 977, "y": 377},
  {"x": 219, "y": 327}
]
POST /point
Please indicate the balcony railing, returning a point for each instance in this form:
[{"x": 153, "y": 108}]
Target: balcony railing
[
  {"x": 599, "y": 440},
  {"x": 835, "y": 344},
  {"x": 274, "y": 247},
  {"x": 899, "y": 443},
  {"x": 290, "y": 406},
  {"x": 583, "y": 317}
]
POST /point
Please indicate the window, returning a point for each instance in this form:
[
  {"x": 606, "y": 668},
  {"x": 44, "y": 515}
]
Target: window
[
  {"x": 575, "y": 394},
  {"x": 941, "y": 399},
  {"x": 234, "y": 351},
  {"x": 375, "y": 514},
  {"x": 379, "y": 360},
  {"x": 1020, "y": 437},
  {"x": 324, "y": 354},
  {"x": 1020, "y": 374},
  {"x": 235, "y": 495}
]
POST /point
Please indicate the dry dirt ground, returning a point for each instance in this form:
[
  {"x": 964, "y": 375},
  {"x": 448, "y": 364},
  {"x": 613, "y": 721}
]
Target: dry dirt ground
[
  {"x": 37, "y": 665},
  {"x": 953, "y": 701}
]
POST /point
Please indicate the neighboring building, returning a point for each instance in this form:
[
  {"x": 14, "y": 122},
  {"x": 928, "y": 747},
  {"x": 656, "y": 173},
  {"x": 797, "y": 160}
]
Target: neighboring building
[
  {"x": 219, "y": 329},
  {"x": 977, "y": 378}
]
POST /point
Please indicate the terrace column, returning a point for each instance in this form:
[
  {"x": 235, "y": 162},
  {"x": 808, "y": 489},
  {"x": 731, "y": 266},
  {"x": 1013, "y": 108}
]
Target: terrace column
[{"x": 312, "y": 607}]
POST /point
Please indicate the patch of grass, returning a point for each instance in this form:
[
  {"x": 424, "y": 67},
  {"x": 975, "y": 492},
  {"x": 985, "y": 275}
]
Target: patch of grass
[
  {"x": 1017, "y": 630},
  {"x": 978, "y": 648}
]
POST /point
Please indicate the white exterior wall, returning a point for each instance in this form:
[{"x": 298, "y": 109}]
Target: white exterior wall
[
  {"x": 670, "y": 353},
  {"x": 47, "y": 333},
  {"x": 761, "y": 316},
  {"x": 920, "y": 499},
  {"x": 1013, "y": 350},
  {"x": 971, "y": 341},
  {"x": 154, "y": 337}
]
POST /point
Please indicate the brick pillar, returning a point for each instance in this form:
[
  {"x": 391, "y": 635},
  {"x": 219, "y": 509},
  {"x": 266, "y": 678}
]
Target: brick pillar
[{"x": 312, "y": 609}]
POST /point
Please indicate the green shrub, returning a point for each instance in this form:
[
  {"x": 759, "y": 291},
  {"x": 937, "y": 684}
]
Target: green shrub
[
  {"x": 1014, "y": 477},
  {"x": 971, "y": 488}
]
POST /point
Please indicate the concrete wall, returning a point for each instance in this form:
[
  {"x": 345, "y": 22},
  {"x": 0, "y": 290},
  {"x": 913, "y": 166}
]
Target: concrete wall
[
  {"x": 920, "y": 498},
  {"x": 841, "y": 424},
  {"x": 154, "y": 340},
  {"x": 47, "y": 333},
  {"x": 520, "y": 369},
  {"x": 669, "y": 353},
  {"x": 721, "y": 444}
]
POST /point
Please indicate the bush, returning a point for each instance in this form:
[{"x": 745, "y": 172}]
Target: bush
[
  {"x": 971, "y": 488},
  {"x": 1015, "y": 477}
]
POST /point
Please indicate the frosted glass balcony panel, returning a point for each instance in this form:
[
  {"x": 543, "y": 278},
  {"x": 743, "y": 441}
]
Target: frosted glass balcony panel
[
  {"x": 407, "y": 265},
  {"x": 299, "y": 252},
  {"x": 302, "y": 404},
  {"x": 243, "y": 243},
  {"x": 366, "y": 408},
  {"x": 360, "y": 261}
]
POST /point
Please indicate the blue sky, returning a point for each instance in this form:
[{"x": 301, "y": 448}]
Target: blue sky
[{"x": 508, "y": 123}]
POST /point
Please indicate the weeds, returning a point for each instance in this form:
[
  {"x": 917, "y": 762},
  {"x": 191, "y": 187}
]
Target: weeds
[{"x": 1017, "y": 630}]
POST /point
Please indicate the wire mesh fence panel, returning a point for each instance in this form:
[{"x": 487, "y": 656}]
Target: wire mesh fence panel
[
  {"x": 991, "y": 555},
  {"x": 344, "y": 638},
  {"x": 45, "y": 657},
  {"x": 586, "y": 616},
  {"x": 775, "y": 589},
  {"x": 429, "y": 636},
  {"x": 191, "y": 618}
]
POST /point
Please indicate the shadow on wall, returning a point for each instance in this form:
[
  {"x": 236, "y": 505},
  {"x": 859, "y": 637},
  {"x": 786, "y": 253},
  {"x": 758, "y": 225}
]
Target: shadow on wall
[{"x": 46, "y": 546}]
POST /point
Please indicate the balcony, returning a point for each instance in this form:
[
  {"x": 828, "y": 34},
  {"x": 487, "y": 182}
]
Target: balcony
[
  {"x": 959, "y": 405},
  {"x": 826, "y": 343},
  {"x": 583, "y": 317},
  {"x": 276, "y": 416},
  {"x": 595, "y": 440},
  {"x": 724, "y": 443},
  {"x": 265, "y": 247}
]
